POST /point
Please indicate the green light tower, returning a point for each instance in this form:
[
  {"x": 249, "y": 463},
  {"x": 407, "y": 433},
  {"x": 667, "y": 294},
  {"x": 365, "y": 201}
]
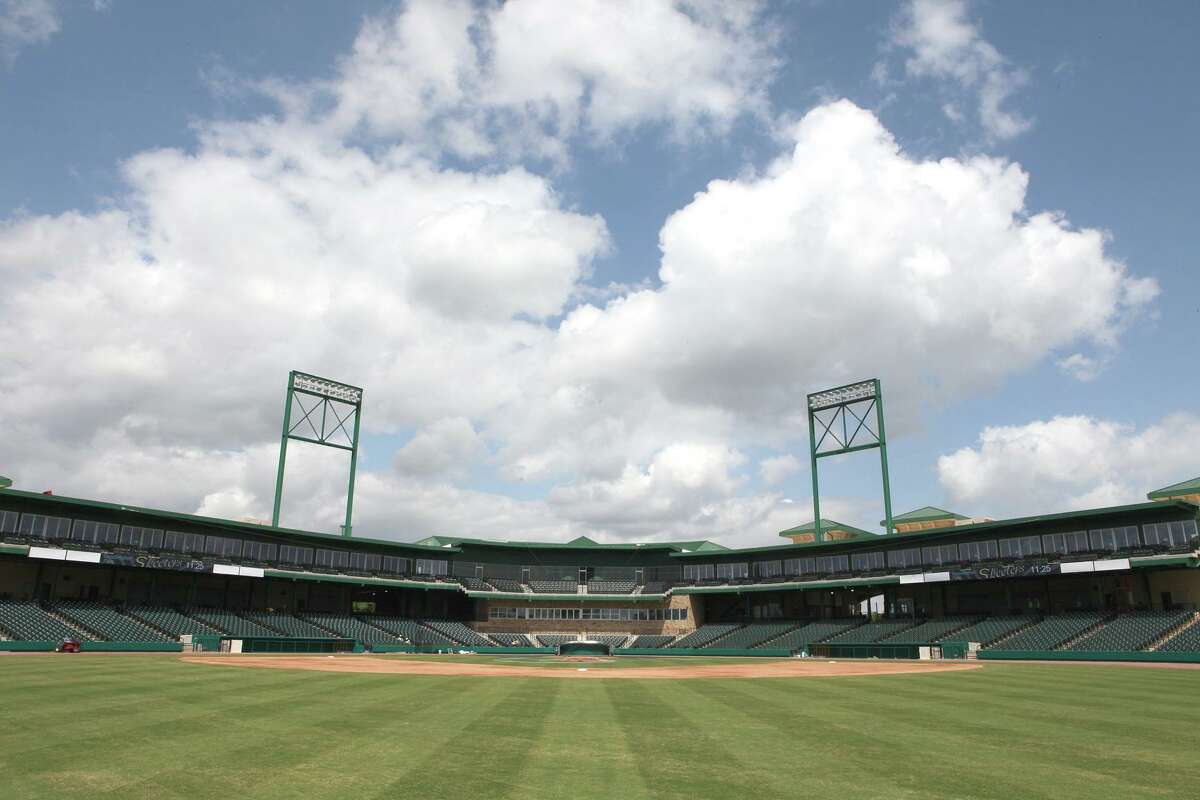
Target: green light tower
[
  {"x": 340, "y": 405},
  {"x": 833, "y": 410}
]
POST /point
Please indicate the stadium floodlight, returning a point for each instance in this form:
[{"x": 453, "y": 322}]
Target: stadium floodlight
[
  {"x": 336, "y": 425},
  {"x": 843, "y": 416}
]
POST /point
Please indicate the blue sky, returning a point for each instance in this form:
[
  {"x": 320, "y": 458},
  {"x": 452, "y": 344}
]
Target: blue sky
[{"x": 127, "y": 127}]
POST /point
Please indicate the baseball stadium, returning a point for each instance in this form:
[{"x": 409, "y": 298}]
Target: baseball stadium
[{"x": 151, "y": 653}]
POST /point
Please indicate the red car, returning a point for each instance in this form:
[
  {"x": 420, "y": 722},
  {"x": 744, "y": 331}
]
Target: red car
[{"x": 67, "y": 645}]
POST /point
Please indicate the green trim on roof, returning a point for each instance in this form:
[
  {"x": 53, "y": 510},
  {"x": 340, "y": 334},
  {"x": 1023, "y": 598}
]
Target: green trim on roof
[
  {"x": 827, "y": 525},
  {"x": 844, "y": 583},
  {"x": 924, "y": 514},
  {"x": 14, "y": 549},
  {"x": 1144, "y": 562},
  {"x": 318, "y": 577},
  {"x": 1176, "y": 489},
  {"x": 567, "y": 598},
  {"x": 578, "y": 543},
  {"x": 5, "y": 482},
  {"x": 215, "y": 522}
]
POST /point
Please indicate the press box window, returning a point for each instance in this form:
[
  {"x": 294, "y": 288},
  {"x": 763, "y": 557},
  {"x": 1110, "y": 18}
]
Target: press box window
[{"x": 39, "y": 526}]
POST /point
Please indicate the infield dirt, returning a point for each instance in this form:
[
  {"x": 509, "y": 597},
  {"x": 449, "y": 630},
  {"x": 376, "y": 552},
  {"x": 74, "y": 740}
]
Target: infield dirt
[{"x": 390, "y": 665}]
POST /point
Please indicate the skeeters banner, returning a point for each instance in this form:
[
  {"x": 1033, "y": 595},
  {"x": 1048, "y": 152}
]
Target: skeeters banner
[
  {"x": 157, "y": 562},
  {"x": 1005, "y": 571}
]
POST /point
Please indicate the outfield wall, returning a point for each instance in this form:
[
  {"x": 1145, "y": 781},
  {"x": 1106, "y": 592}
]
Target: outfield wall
[
  {"x": 94, "y": 647},
  {"x": 1068, "y": 655}
]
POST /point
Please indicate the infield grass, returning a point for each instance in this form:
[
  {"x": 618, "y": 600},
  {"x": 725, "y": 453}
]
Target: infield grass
[{"x": 154, "y": 727}]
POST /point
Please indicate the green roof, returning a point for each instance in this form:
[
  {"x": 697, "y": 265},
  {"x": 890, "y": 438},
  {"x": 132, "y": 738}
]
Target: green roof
[
  {"x": 924, "y": 514},
  {"x": 216, "y": 522},
  {"x": 578, "y": 543},
  {"x": 5, "y": 482},
  {"x": 827, "y": 525},
  {"x": 1176, "y": 489}
]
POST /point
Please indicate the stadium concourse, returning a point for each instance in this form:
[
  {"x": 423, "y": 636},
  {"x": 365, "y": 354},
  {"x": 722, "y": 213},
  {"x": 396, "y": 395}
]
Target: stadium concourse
[{"x": 1118, "y": 583}]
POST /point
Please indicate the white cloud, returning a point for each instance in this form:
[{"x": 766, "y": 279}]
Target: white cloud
[
  {"x": 24, "y": 23},
  {"x": 846, "y": 257},
  {"x": 445, "y": 448},
  {"x": 1068, "y": 463},
  {"x": 777, "y": 469},
  {"x": 150, "y": 340},
  {"x": 480, "y": 79},
  {"x": 1081, "y": 367},
  {"x": 945, "y": 44}
]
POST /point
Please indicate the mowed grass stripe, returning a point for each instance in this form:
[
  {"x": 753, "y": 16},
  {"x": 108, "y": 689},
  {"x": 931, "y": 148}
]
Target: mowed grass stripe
[
  {"x": 484, "y": 757},
  {"x": 152, "y": 727},
  {"x": 582, "y": 753}
]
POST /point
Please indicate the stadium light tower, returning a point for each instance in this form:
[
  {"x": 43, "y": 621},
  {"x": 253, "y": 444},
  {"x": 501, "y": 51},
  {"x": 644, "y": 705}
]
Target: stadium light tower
[
  {"x": 330, "y": 412},
  {"x": 843, "y": 415}
]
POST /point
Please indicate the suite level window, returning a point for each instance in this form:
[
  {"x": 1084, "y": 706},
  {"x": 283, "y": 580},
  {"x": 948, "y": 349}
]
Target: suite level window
[
  {"x": 223, "y": 546},
  {"x": 331, "y": 559},
  {"x": 1021, "y": 547},
  {"x": 259, "y": 551},
  {"x": 1065, "y": 543},
  {"x": 902, "y": 559},
  {"x": 865, "y": 562},
  {"x": 178, "y": 542},
  {"x": 768, "y": 569},
  {"x": 394, "y": 565},
  {"x": 365, "y": 562},
  {"x": 39, "y": 526},
  {"x": 977, "y": 551},
  {"x": 940, "y": 554},
  {"x": 290, "y": 554},
  {"x": 1114, "y": 538},
  {"x": 697, "y": 572},
  {"x": 1171, "y": 534},
  {"x": 732, "y": 571},
  {"x": 134, "y": 536},
  {"x": 427, "y": 566},
  {"x": 96, "y": 532},
  {"x": 8, "y": 521},
  {"x": 830, "y": 564},
  {"x": 791, "y": 566}
]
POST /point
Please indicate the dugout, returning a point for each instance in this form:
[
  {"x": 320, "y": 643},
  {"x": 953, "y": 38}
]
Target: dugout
[
  {"x": 872, "y": 650},
  {"x": 584, "y": 648},
  {"x": 274, "y": 644}
]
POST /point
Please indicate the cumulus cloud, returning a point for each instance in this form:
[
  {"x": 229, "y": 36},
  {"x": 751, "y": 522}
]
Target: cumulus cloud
[
  {"x": 485, "y": 79},
  {"x": 1081, "y": 367},
  {"x": 846, "y": 257},
  {"x": 444, "y": 448},
  {"x": 24, "y": 23},
  {"x": 150, "y": 340},
  {"x": 945, "y": 44},
  {"x": 777, "y": 469},
  {"x": 1069, "y": 462}
]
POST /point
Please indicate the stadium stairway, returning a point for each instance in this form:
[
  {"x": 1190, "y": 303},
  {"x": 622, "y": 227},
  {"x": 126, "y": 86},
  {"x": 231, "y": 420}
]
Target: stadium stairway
[
  {"x": 990, "y": 630},
  {"x": 1129, "y": 632},
  {"x": 107, "y": 623},
  {"x": 1184, "y": 639},
  {"x": 1051, "y": 632},
  {"x": 872, "y": 631}
]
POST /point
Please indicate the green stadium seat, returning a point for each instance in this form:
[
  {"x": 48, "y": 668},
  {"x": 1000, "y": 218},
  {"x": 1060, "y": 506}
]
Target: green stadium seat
[{"x": 108, "y": 623}]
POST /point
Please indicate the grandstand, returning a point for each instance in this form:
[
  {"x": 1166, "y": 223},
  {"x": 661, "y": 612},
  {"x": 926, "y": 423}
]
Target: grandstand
[{"x": 1118, "y": 581}]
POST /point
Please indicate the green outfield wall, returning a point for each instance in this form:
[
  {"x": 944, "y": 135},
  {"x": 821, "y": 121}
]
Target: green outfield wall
[
  {"x": 700, "y": 651},
  {"x": 94, "y": 647},
  {"x": 1067, "y": 655}
]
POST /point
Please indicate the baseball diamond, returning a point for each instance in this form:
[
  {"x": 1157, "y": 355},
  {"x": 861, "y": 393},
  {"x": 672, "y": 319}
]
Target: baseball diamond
[{"x": 839, "y": 663}]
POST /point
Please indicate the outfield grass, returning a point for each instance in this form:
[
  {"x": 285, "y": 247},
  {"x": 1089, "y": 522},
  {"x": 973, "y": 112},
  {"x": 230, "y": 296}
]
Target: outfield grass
[{"x": 154, "y": 727}]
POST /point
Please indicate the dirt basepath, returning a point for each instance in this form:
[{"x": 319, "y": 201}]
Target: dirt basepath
[{"x": 386, "y": 665}]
